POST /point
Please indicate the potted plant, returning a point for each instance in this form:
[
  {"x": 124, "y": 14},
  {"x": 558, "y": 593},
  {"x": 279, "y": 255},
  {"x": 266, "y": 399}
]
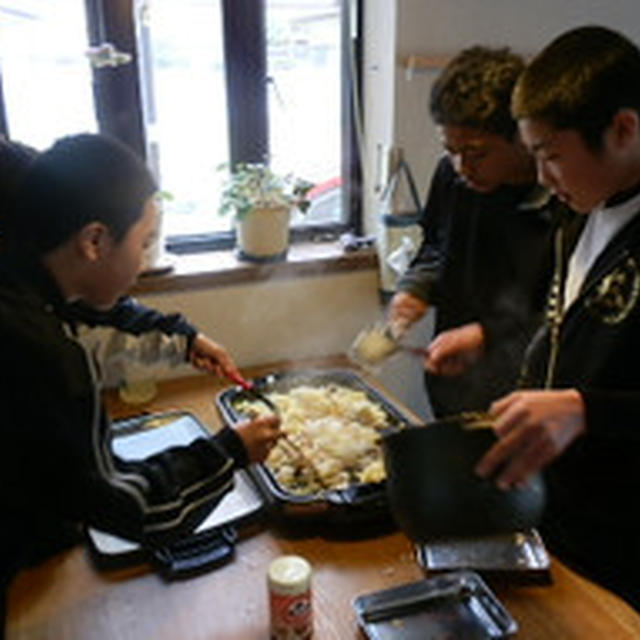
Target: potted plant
[{"x": 261, "y": 202}]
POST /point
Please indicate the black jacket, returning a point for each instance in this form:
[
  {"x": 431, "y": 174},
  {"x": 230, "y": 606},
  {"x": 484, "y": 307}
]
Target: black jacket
[
  {"x": 484, "y": 258},
  {"x": 594, "y": 346},
  {"x": 56, "y": 465}
]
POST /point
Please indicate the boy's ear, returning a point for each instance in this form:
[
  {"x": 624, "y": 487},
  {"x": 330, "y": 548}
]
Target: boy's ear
[
  {"x": 93, "y": 240},
  {"x": 626, "y": 127}
]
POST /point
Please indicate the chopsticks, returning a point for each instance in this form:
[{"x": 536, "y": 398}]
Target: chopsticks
[
  {"x": 304, "y": 458},
  {"x": 292, "y": 449},
  {"x": 467, "y": 419}
]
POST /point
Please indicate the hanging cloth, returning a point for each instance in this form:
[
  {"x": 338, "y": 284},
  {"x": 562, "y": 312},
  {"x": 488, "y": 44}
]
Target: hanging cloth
[{"x": 399, "y": 230}]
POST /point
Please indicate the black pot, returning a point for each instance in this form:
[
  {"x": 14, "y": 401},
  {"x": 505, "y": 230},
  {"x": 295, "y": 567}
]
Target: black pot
[{"x": 434, "y": 492}]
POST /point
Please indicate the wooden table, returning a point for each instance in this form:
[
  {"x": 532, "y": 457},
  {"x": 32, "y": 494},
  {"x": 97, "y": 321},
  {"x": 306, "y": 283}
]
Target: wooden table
[{"x": 67, "y": 599}]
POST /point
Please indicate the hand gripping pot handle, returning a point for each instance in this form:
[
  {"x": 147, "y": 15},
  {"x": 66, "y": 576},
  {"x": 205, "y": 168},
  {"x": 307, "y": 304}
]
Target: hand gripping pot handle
[{"x": 434, "y": 492}]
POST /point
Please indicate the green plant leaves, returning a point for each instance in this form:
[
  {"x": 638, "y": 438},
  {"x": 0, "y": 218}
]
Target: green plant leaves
[{"x": 255, "y": 185}]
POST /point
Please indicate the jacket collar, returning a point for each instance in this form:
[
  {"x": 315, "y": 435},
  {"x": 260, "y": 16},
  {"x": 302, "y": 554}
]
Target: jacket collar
[
  {"x": 614, "y": 255},
  {"x": 25, "y": 269}
]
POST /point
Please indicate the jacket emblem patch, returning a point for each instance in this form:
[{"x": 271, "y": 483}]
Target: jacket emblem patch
[{"x": 616, "y": 294}]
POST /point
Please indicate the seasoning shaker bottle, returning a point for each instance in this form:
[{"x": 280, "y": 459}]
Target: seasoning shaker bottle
[{"x": 289, "y": 583}]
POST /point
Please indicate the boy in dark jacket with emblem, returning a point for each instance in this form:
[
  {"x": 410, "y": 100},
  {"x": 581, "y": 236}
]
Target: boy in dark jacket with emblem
[{"x": 578, "y": 415}]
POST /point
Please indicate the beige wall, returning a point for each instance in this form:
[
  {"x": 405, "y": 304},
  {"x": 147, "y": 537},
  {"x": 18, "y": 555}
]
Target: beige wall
[{"x": 282, "y": 319}]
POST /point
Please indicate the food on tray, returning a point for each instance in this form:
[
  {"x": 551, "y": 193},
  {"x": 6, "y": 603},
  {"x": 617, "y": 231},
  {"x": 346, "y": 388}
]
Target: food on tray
[{"x": 335, "y": 426}]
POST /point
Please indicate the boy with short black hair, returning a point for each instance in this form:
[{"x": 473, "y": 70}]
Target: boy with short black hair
[
  {"x": 485, "y": 261},
  {"x": 84, "y": 215},
  {"x": 578, "y": 107}
]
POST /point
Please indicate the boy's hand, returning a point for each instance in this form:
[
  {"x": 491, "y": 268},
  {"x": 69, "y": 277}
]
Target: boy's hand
[
  {"x": 533, "y": 428},
  {"x": 259, "y": 436},
  {"x": 404, "y": 310},
  {"x": 212, "y": 357},
  {"x": 453, "y": 352}
]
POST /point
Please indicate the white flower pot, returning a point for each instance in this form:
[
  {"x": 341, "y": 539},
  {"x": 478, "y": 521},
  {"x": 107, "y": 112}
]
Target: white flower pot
[{"x": 263, "y": 235}]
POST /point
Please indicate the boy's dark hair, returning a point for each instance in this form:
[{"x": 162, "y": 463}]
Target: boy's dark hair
[
  {"x": 580, "y": 81},
  {"x": 81, "y": 179},
  {"x": 15, "y": 160},
  {"x": 474, "y": 90}
]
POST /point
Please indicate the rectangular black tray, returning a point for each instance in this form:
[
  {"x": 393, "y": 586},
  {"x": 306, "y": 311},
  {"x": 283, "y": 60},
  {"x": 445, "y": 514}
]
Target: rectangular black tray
[
  {"x": 214, "y": 540},
  {"x": 358, "y": 501},
  {"x": 455, "y": 605}
]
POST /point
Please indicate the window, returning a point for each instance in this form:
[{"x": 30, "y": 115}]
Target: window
[
  {"x": 46, "y": 80},
  {"x": 193, "y": 84},
  {"x": 304, "y": 72},
  {"x": 183, "y": 80}
]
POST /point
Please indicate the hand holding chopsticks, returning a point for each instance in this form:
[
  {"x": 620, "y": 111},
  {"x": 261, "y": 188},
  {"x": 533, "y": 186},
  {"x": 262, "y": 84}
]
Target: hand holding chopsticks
[{"x": 290, "y": 447}]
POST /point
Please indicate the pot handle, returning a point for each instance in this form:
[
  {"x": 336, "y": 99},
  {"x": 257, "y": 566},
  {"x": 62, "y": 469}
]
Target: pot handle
[{"x": 358, "y": 496}]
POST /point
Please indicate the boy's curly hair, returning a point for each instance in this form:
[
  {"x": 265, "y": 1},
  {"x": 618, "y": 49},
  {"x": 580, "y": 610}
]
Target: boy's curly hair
[
  {"x": 580, "y": 81},
  {"x": 474, "y": 90}
]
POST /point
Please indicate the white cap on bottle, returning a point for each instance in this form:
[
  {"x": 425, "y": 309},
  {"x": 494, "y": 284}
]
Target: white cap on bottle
[{"x": 289, "y": 575}]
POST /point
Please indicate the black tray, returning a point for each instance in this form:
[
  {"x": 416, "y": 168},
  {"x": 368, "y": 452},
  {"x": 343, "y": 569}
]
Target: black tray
[
  {"x": 456, "y": 605},
  {"x": 213, "y": 542},
  {"x": 358, "y": 502}
]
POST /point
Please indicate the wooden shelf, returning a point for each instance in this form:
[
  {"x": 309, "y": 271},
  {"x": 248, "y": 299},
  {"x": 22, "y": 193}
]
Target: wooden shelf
[{"x": 415, "y": 62}]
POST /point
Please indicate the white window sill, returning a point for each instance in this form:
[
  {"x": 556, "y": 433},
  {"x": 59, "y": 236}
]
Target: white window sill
[{"x": 215, "y": 268}]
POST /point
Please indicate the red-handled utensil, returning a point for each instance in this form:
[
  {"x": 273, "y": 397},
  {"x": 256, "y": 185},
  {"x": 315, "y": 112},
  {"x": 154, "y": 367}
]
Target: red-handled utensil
[{"x": 247, "y": 385}]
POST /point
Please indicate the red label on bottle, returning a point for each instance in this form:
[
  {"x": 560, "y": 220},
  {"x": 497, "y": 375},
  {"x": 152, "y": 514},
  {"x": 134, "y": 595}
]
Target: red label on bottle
[{"x": 291, "y": 616}]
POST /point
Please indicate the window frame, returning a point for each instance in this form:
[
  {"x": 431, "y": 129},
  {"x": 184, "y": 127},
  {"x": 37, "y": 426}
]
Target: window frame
[
  {"x": 4, "y": 129},
  {"x": 116, "y": 90},
  {"x": 118, "y": 102}
]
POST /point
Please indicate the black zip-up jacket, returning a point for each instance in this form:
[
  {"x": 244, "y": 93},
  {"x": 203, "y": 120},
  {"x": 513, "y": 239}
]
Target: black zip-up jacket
[
  {"x": 484, "y": 258},
  {"x": 57, "y": 469},
  {"x": 594, "y": 346}
]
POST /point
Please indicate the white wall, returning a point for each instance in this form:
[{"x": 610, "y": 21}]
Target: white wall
[
  {"x": 442, "y": 28},
  {"x": 446, "y": 26},
  {"x": 379, "y": 45},
  {"x": 283, "y": 319}
]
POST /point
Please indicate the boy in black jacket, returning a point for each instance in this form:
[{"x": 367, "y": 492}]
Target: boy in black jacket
[
  {"x": 83, "y": 217},
  {"x": 485, "y": 261},
  {"x": 578, "y": 108}
]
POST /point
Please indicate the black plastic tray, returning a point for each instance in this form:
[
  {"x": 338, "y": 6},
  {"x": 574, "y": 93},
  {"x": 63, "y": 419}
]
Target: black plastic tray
[
  {"x": 213, "y": 542},
  {"x": 456, "y": 605},
  {"x": 354, "y": 503}
]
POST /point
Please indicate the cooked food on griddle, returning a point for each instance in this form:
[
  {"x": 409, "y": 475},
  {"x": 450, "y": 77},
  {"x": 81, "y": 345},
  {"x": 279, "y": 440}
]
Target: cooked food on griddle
[{"x": 336, "y": 427}]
